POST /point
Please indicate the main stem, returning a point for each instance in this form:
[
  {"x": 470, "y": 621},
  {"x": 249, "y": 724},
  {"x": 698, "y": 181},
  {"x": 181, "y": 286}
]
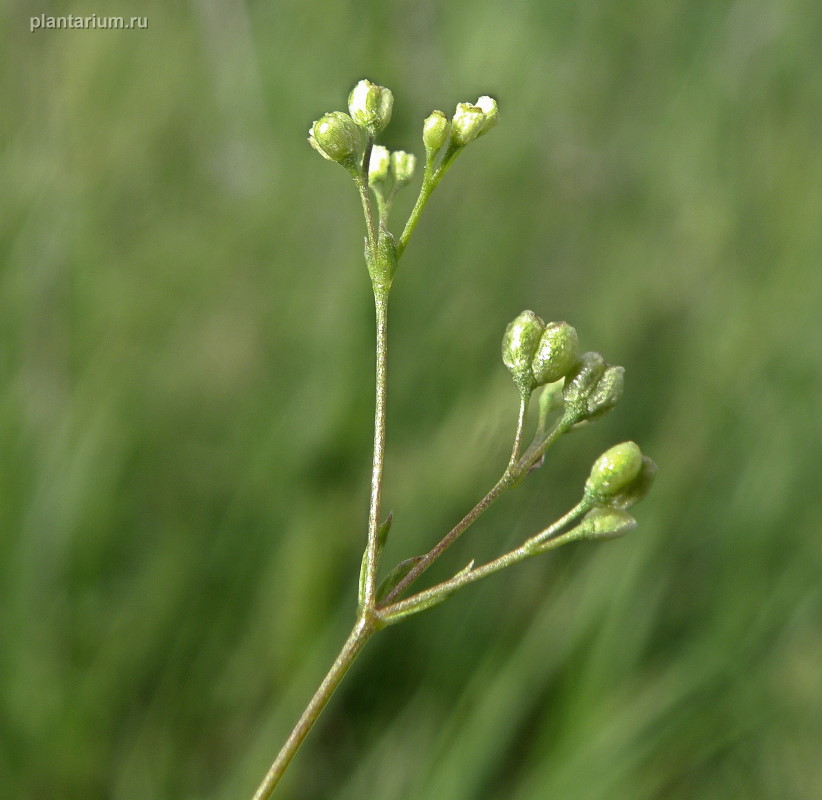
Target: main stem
[
  {"x": 359, "y": 635},
  {"x": 372, "y": 547}
]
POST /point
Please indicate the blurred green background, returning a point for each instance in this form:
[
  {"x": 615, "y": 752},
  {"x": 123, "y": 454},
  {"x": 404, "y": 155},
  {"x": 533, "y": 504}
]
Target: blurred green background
[{"x": 185, "y": 412}]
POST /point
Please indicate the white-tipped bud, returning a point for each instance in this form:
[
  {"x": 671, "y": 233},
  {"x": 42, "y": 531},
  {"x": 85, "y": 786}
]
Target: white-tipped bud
[
  {"x": 467, "y": 123},
  {"x": 402, "y": 165},
  {"x": 370, "y": 106},
  {"x": 379, "y": 164},
  {"x": 335, "y": 137},
  {"x": 490, "y": 108},
  {"x": 435, "y": 131}
]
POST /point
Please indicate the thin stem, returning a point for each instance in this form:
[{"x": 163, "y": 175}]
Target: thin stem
[
  {"x": 430, "y": 180},
  {"x": 380, "y": 405},
  {"x": 359, "y": 635},
  {"x": 536, "y": 544},
  {"x": 509, "y": 478},
  {"x": 368, "y": 212},
  {"x": 523, "y": 412},
  {"x": 440, "y": 547}
]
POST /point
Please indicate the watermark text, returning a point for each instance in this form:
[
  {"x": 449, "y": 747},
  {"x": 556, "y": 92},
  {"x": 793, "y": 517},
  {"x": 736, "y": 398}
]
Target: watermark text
[{"x": 45, "y": 22}]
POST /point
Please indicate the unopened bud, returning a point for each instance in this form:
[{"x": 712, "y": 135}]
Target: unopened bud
[
  {"x": 614, "y": 470},
  {"x": 379, "y": 164},
  {"x": 402, "y": 165},
  {"x": 556, "y": 354},
  {"x": 606, "y": 523},
  {"x": 607, "y": 392},
  {"x": 467, "y": 124},
  {"x": 490, "y": 108},
  {"x": 435, "y": 131},
  {"x": 335, "y": 137},
  {"x": 370, "y": 106},
  {"x": 519, "y": 343},
  {"x": 582, "y": 380},
  {"x": 637, "y": 488}
]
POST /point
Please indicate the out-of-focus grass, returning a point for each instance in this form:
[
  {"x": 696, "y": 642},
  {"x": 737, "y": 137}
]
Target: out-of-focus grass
[{"x": 186, "y": 397}]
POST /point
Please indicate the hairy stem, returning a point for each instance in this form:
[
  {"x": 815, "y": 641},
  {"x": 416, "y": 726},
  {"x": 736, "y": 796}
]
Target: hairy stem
[
  {"x": 359, "y": 635},
  {"x": 372, "y": 546}
]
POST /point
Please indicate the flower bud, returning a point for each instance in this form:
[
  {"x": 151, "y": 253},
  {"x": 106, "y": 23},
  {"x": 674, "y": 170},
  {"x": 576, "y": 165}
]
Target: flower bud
[
  {"x": 607, "y": 392},
  {"x": 335, "y": 137},
  {"x": 519, "y": 343},
  {"x": 467, "y": 124},
  {"x": 614, "y": 470},
  {"x": 490, "y": 108},
  {"x": 378, "y": 164},
  {"x": 435, "y": 131},
  {"x": 556, "y": 354},
  {"x": 370, "y": 106},
  {"x": 582, "y": 380},
  {"x": 402, "y": 165},
  {"x": 637, "y": 488},
  {"x": 605, "y": 523}
]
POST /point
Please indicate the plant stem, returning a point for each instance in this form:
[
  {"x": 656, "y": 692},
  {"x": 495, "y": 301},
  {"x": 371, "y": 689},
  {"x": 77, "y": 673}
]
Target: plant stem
[
  {"x": 429, "y": 182},
  {"x": 510, "y": 477},
  {"x": 359, "y": 635},
  {"x": 372, "y": 546},
  {"x": 536, "y": 544},
  {"x": 523, "y": 411},
  {"x": 440, "y": 547}
]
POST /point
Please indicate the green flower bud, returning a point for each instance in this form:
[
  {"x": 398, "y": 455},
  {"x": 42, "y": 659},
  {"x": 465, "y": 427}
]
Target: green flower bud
[
  {"x": 490, "y": 108},
  {"x": 557, "y": 353},
  {"x": 605, "y": 523},
  {"x": 335, "y": 137},
  {"x": 435, "y": 131},
  {"x": 637, "y": 488},
  {"x": 370, "y": 106},
  {"x": 607, "y": 392},
  {"x": 378, "y": 164},
  {"x": 582, "y": 380},
  {"x": 519, "y": 343},
  {"x": 402, "y": 165},
  {"x": 467, "y": 124},
  {"x": 614, "y": 470}
]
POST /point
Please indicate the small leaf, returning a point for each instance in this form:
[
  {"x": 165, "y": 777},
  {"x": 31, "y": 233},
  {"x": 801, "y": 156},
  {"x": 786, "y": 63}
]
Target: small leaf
[
  {"x": 382, "y": 534},
  {"x": 382, "y": 537},
  {"x": 395, "y": 576}
]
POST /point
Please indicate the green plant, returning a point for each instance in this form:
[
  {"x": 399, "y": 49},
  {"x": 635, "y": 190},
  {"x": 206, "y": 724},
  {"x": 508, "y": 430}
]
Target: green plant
[{"x": 576, "y": 388}]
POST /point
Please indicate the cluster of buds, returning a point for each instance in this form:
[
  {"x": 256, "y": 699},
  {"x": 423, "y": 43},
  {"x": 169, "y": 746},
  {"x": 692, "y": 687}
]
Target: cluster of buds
[
  {"x": 619, "y": 478},
  {"x": 537, "y": 354},
  {"x": 469, "y": 122},
  {"x": 337, "y": 136},
  {"x": 385, "y": 165}
]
